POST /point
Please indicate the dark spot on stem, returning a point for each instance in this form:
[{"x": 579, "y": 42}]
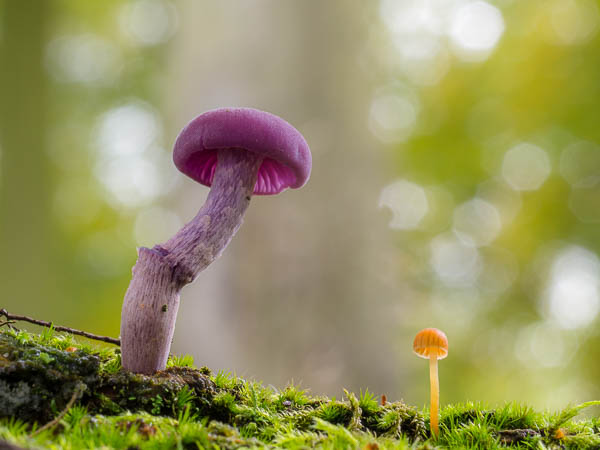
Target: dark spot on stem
[
  {"x": 248, "y": 197},
  {"x": 160, "y": 250},
  {"x": 164, "y": 308}
]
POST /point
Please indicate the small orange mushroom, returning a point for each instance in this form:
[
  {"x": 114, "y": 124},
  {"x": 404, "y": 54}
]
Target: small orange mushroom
[{"x": 432, "y": 344}]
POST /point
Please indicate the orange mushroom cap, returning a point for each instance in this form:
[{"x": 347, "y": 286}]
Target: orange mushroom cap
[{"x": 428, "y": 340}]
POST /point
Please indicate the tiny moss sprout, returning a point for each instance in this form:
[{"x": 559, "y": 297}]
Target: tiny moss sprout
[{"x": 181, "y": 361}]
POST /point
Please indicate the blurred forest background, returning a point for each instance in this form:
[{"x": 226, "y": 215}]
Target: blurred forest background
[{"x": 455, "y": 184}]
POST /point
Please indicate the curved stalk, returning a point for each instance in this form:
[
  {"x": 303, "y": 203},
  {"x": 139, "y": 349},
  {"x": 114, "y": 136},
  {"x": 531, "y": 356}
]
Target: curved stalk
[{"x": 152, "y": 299}]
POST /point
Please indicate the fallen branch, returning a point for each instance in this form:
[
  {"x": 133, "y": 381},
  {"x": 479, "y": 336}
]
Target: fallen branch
[
  {"x": 78, "y": 390},
  {"x": 13, "y": 317}
]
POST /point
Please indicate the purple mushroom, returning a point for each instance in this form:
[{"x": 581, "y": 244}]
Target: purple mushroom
[{"x": 239, "y": 152}]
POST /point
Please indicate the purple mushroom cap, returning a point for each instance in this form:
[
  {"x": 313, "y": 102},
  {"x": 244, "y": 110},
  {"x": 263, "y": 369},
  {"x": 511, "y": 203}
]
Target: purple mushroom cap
[{"x": 287, "y": 159}]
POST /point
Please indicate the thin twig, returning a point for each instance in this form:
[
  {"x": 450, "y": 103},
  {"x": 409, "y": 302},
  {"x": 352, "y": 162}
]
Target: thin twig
[
  {"x": 12, "y": 317},
  {"x": 9, "y": 324},
  {"x": 78, "y": 390}
]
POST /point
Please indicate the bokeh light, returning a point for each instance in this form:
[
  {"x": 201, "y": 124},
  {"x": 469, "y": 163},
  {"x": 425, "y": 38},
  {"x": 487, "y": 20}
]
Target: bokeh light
[
  {"x": 393, "y": 114},
  {"x": 422, "y": 58},
  {"x": 148, "y": 22},
  {"x": 573, "y": 22},
  {"x": 407, "y": 202},
  {"x": 129, "y": 160},
  {"x": 128, "y": 130},
  {"x": 498, "y": 193},
  {"x": 455, "y": 262},
  {"x": 573, "y": 296},
  {"x": 477, "y": 222},
  {"x": 544, "y": 345},
  {"x": 419, "y": 28},
  {"x": 526, "y": 167},
  {"x": 86, "y": 58},
  {"x": 580, "y": 164},
  {"x": 475, "y": 29}
]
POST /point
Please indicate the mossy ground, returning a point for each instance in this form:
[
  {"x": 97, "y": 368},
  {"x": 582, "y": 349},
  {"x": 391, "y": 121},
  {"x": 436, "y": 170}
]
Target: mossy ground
[{"x": 184, "y": 407}]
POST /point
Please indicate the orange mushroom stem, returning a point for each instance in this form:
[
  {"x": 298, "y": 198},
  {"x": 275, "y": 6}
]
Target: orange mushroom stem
[{"x": 432, "y": 344}]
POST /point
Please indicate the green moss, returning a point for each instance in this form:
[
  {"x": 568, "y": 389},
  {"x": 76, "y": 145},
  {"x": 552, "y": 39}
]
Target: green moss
[
  {"x": 180, "y": 361},
  {"x": 183, "y": 407}
]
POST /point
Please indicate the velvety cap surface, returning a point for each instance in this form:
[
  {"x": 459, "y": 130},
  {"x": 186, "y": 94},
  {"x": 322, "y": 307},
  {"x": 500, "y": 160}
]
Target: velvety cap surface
[
  {"x": 287, "y": 159},
  {"x": 428, "y": 340}
]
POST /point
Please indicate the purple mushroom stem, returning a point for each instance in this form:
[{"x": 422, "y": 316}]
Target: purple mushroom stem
[
  {"x": 202, "y": 240},
  {"x": 152, "y": 299},
  {"x": 238, "y": 152}
]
